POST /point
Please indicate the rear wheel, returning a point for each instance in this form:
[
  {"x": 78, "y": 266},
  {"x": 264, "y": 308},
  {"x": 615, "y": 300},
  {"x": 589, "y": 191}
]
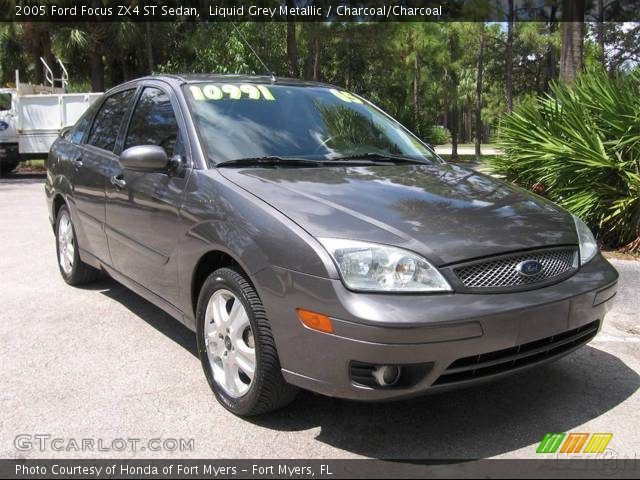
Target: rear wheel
[
  {"x": 74, "y": 271},
  {"x": 236, "y": 347}
]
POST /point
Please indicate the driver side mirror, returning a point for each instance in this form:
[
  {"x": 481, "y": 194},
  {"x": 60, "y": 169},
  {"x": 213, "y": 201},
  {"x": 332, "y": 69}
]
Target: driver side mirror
[
  {"x": 65, "y": 132},
  {"x": 145, "y": 158}
]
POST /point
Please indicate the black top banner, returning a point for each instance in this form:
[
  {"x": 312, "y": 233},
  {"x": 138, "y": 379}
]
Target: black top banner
[{"x": 318, "y": 11}]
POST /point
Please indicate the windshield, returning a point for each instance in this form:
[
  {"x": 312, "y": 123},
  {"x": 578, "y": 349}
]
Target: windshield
[
  {"x": 240, "y": 121},
  {"x": 5, "y": 101}
]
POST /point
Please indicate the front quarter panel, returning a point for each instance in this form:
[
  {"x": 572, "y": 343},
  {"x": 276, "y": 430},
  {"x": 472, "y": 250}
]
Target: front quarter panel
[{"x": 223, "y": 217}]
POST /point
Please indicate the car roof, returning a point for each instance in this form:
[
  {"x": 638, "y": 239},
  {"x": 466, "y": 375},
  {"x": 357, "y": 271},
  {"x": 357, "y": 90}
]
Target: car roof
[{"x": 229, "y": 78}]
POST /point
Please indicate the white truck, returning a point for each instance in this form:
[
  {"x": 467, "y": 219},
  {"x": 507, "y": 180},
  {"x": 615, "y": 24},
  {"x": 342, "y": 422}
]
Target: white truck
[{"x": 32, "y": 116}]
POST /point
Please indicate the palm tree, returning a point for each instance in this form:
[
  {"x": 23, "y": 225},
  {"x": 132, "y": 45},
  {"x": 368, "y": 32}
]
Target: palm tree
[{"x": 571, "y": 56}]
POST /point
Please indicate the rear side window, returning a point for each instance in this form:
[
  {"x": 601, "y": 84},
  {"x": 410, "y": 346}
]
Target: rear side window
[
  {"x": 77, "y": 133},
  {"x": 153, "y": 122},
  {"x": 106, "y": 125}
]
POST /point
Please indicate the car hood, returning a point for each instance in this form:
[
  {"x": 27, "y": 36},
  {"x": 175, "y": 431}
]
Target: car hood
[{"x": 445, "y": 212}]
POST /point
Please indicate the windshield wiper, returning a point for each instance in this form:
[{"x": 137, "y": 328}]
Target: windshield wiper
[
  {"x": 267, "y": 161},
  {"x": 274, "y": 160},
  {"x": 388, "y": 157}
]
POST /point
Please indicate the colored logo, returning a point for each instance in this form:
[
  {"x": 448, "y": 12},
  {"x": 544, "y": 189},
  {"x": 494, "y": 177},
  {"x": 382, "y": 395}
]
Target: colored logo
[
  {"x": 529, "y": 268},
  {"x": 574, "y": 443},
  {"x": 3, "y": 125}
]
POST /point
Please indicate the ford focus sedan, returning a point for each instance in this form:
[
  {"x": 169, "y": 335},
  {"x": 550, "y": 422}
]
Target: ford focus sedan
[{"x": 311, "y": 241}]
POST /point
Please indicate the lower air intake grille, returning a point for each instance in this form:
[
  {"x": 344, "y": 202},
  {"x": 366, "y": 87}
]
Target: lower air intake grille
[{"x": 483, "y": 365}]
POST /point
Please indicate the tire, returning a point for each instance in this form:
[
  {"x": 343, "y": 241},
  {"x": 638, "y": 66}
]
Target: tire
[
  {"x": 267, "y": 390},
  {"x": 74, "y": 271}
]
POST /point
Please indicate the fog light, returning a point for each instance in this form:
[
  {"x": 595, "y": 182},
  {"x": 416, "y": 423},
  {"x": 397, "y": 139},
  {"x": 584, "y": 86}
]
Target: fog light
[{"x": 386, "y": 375}]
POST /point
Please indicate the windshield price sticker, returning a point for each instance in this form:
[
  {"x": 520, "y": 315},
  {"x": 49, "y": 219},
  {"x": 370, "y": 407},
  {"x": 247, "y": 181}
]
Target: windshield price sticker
[
  {"x": 345, "y": 96},
  {"x": 230, "y": 91}
]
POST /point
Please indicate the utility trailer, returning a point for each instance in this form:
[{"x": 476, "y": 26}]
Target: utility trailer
[{"x": 32, "y": 116}]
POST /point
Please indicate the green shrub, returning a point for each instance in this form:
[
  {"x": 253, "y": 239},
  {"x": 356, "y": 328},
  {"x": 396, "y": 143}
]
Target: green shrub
[
  {"x": 580, "y": 147},
  {"x": 437, "y": 135}
]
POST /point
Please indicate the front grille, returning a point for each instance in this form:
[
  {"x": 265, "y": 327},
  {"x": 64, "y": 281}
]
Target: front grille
[
  {"x": 492, "y": 363},
  {"x": 502, "y": 272}
]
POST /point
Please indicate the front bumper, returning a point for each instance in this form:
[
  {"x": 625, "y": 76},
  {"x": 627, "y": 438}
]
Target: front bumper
[{"x": 431, "y": 331}]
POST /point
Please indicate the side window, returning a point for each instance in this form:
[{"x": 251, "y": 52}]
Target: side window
[
  {"x": 106, "y": 125},
  {"x": 77, "y": 133},
  {"x": 153, "y": 122}
]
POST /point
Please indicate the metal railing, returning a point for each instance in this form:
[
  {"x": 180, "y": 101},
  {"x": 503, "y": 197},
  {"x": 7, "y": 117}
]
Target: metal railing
[{"x": 50, "y": 78}]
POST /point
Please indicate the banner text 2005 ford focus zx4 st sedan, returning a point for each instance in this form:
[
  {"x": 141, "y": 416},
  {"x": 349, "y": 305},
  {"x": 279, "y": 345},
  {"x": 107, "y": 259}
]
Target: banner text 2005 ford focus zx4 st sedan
[{"x": 313, "y": 242}]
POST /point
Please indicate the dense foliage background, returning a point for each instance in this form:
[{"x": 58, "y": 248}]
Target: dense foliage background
[
  {"x": 462, "y": 76},
  {"x": 454, "y": 83}
]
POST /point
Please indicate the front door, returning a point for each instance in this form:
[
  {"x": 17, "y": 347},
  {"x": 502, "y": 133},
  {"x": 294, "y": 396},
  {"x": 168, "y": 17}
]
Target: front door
[
  {"x": 143, "y": 209},
  {"x": 93, "y": 162}
]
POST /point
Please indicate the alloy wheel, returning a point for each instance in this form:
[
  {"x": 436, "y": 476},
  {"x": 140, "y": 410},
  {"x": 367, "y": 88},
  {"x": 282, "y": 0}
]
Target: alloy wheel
[
  {"x": 66, "y": 246},
  {"x": 230, "y": 343}
]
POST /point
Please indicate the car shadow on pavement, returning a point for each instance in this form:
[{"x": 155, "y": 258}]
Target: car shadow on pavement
[
  {"x": 154, "y": 316},
  {"x": 477, "y": 422}
]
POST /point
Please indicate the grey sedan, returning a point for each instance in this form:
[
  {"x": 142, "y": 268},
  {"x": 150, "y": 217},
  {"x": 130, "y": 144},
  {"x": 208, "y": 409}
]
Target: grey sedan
[{"x": 311, "y": 241}]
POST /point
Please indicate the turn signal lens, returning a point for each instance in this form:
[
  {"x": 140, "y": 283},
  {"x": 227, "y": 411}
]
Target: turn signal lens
[{"x": 315, "y": 321}]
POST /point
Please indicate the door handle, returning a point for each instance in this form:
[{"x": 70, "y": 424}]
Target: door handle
[{"x": 118, "y": 181}]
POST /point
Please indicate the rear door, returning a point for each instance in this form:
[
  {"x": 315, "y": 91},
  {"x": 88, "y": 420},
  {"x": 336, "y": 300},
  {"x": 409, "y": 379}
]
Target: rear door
[
  {"x": 143, "y": 220},
  {"x": 93, "y": 163}
]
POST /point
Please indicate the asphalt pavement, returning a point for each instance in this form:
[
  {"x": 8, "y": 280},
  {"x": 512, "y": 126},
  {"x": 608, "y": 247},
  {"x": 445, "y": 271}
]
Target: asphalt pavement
[{"x": 101, "y": 364}]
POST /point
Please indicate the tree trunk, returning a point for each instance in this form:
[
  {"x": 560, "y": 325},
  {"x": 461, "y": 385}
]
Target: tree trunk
[
  {"x": 37, "y": 40},
  {"x": 600, "y": 34},
  {"x": 126, "y": 74},
  {"x": 551, "y": 57},
  {"x": 454, "y": 130},
  {"x": 468, "y": 133},
  {"x": 509, "y": 59},
  {"x": 96, "y": 66},
  {"x": 445, "y": 109},
  {"x": 147, "y": 37},
  {"x": 292, "y": 44},
  {"x": 312, "y": 62},
  {"x": 571, "y": 57},
  {"x": 99, "y": 35},
  {"x": 479, "y": 93},
  {"x": 316, "y": 57},
  {"x": 416, "y": 89}
]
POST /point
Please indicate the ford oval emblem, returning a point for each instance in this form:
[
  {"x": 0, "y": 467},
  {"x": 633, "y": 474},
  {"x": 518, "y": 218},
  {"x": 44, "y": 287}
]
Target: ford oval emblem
[
  {"x": 3, "y": 125},
  {"x": 529, "y": 268}
]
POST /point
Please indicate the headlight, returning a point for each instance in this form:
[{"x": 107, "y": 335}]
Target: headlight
[
  {"x": 379, "y": 268},
  {"x": 588, "y": 244}
]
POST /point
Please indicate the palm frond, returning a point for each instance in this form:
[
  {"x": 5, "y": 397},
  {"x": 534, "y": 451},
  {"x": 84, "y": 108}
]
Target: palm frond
[{"x": 583, "y": 144}]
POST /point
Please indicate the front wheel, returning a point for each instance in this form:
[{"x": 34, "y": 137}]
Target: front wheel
[{"x": 236, "y": 347}]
